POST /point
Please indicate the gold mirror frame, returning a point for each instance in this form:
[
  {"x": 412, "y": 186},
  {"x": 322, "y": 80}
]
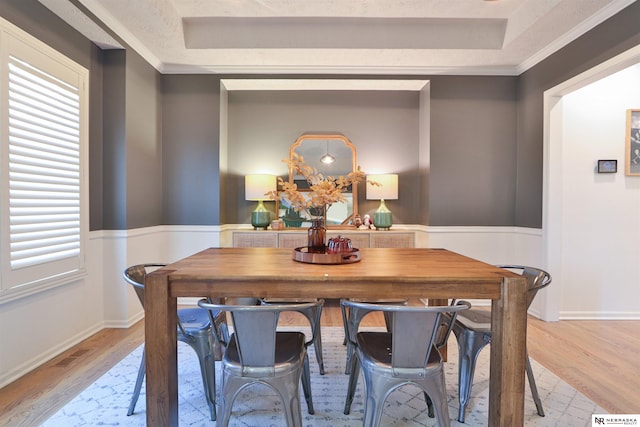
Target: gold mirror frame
[{"x": 328, "y": 143}]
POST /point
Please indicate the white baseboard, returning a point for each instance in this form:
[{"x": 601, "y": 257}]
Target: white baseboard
[
  {"x": 599, "y": 315},
  {"x": 30, "y": 364},
  {"x": 124, "y": 324}
]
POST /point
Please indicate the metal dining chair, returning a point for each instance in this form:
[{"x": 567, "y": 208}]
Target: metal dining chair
[
  {"x": 257, "y": 353},
  {"x": 407, "y": 355},
  {"x": 194, "y": 329},
  {"x": 473, "y": 332},
  {"x": 313, "y": 314}
]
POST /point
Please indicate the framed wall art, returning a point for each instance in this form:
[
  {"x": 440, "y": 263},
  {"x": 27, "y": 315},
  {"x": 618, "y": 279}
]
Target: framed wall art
[{"x": 632, "y": 146}]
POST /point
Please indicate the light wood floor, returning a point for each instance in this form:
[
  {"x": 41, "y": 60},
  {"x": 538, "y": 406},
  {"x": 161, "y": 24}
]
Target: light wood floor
[{"x": 599, "y": 358}]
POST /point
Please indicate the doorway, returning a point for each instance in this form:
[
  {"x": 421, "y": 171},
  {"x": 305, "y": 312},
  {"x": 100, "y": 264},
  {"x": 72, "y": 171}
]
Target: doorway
[{"x": 591, "y": 221}]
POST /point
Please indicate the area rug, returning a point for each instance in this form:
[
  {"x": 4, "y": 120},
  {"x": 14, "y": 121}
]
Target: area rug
[{"x": 105, "y": 402}]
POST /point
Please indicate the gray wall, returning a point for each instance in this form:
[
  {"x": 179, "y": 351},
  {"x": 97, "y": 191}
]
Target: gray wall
[
  {"x": 473, "y": 150},
  {"x": 125, "y": 139},
  {"x": 143, "y": 122},
  {"x": 616, "y": 35},
  {"x": 191, "y": 167},
  {"x": 382, "y": 125},
  {"x": 127, "y": 159},
  {"x": 38, "y": 21},
  {"x": 114, "y": 154},
  {"x": 486, "y": 134},
  {"x": 96, "y": 129}
]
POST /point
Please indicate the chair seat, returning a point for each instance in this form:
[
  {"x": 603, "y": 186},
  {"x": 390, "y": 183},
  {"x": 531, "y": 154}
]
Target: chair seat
[
  {"x": 289, "y": 349},
  {"x": 194, "y": 318},
  {"x": 288, "y": 300},
  {"x": 398, "y": 301},
  {"x": 477, "y": 320}
]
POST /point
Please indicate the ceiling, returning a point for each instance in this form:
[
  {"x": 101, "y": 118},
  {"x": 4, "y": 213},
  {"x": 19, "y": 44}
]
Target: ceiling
[{"x": 501, "y": 37}]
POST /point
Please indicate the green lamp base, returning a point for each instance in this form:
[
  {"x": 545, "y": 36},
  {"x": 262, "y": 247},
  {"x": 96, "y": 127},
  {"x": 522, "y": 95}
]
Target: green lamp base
[
  {"x": 260, "y": 217},
  {"x": 382, "y": 218}
]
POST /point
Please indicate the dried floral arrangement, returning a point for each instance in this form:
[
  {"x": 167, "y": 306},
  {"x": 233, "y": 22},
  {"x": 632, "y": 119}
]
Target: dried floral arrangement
[{"x": 323, "y": 191}]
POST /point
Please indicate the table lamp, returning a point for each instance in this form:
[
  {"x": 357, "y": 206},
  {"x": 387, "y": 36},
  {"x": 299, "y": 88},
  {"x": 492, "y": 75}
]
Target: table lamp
[
  {"x": 388, "y": 190},
  {"x": 255, "y": 188}
]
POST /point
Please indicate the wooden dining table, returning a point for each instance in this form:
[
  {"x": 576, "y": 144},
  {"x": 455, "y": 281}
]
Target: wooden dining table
[{"x": 380, "y": 273}]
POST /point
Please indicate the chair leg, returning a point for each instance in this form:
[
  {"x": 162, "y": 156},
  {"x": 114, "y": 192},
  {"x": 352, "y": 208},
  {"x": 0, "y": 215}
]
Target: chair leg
[
  {"x": 534, "y": 389},
  {"x": 388, "y": 321},
  {"x": 287, "y": 387},
  {"x": 429, "y": 405},
  {"x": 354, "y": 370},
  {"x": 210, "y": 387},
  {"x": 202, "y": 344},
  {"x": 306, "y": 384},
  {"x": 317, "y": 346},
  {"x": 313, "y": 315},
  {"x": 350, "y": 357},
  {"x": 376, "y": 392},
  {"x": 138, "y": 386},
  {"x": 469, "y": 346},
  {"x": 347, "y": 314},
  {"x": 435, "y": 385},
  {"x": 230, "y": 387}
]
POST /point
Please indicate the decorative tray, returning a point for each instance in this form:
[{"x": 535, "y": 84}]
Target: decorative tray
[{"x": 302, "y": 254}]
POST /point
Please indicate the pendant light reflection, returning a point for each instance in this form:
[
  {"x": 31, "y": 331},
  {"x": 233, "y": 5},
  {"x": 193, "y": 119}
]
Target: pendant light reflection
[{"x": 327, "y": 159}]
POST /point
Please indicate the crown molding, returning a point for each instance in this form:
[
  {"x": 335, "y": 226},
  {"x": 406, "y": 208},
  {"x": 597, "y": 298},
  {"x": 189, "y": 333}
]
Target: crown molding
[
  {"x": 332, "y": 69},
  {"x": 560, "y": 42}
]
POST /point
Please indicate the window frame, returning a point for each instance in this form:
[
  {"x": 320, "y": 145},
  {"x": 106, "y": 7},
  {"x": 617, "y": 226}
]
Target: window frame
[{"x": 20, "y": 282}]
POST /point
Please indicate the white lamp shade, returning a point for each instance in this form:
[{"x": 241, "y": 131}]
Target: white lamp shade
[
  {"x": 388, "y": 189},
  {"x": 256, "y": 186}
]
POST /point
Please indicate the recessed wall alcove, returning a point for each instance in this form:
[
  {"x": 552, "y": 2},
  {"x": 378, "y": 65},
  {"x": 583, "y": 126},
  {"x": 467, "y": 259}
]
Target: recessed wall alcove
[{"x": 387, "y": 120}]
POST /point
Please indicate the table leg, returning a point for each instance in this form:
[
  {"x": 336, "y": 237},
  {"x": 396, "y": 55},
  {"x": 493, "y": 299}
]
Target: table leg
[
  {"x": 161, "y": 352},
  {"x": 508, "y": 349}
]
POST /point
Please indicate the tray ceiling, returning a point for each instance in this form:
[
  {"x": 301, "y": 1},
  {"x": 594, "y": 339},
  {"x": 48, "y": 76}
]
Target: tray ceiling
[{"x": 337, "y": 36}]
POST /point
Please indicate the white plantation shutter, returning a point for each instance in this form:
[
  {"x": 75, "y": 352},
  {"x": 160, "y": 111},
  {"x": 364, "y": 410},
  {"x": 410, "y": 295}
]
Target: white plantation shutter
[
  {"x": 44, "y": 167},
  {"x": 43, "y": 158}
]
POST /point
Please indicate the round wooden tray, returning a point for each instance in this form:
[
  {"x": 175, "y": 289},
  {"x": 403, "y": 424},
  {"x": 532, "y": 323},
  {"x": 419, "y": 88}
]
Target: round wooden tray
[{"x": 302, "y": 254}]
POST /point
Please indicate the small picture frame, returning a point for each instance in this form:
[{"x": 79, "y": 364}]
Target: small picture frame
[
  {"x": 632, "y": 145},
  {"x": 607, "y": 166}
]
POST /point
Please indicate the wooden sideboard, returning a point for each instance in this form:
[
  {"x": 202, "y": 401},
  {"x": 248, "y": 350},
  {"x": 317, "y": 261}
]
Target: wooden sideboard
[{"x": 294, "y": 238}]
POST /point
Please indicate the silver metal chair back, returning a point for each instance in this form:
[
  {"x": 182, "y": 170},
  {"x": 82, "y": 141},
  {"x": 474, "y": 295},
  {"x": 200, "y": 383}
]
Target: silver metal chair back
[
  {"x": 473, "y": 332},
  {"x": 194, "y": 329},
  {"x": 351, "y": 318},
  {"x": 406, "y": 355},
  {"x": 257, "y": 353},
  {"x": 313, "y": 315},
  {"x": 537, "y": 279},
  {"x": 255, "y": 335},
  {"x": 413, "y": 336}
]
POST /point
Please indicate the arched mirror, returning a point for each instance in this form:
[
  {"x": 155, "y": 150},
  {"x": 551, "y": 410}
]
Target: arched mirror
[{"x": 332, "y": 155}]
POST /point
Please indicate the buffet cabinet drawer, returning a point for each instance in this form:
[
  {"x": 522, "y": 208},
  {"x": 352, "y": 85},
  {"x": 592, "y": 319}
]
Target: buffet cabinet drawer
[
  {"x": 255, "y": 240},
  {"x": 298, "y": 238},
  {"x": 384, "y": 239}
]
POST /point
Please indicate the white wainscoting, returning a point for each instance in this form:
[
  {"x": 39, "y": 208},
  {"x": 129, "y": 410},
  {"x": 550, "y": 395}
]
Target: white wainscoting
[
  {"x": 495, "y": 245},
  {"x": 56, "y": 320}
]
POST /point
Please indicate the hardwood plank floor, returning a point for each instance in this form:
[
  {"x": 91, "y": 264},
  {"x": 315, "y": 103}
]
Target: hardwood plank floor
[{"x": 599, "y": 358}]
